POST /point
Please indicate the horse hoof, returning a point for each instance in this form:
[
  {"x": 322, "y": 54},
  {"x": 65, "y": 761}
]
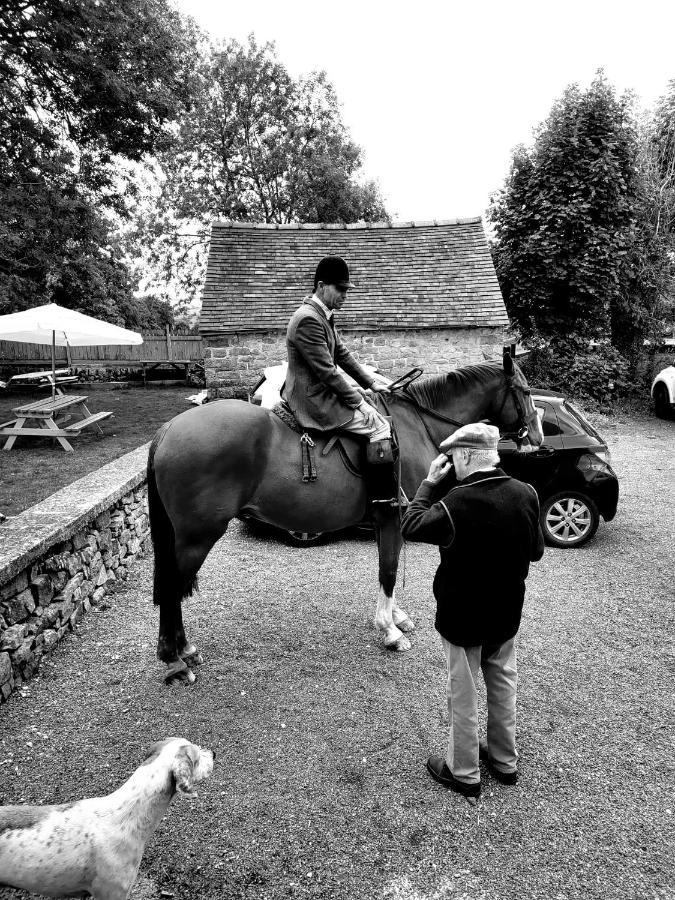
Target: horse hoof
[
  {"x": 192, "y": 656},
  {"x": 405, "y": 624},
  {"x": 401, "y": 644},
  {"x": 175, "y": 671}
]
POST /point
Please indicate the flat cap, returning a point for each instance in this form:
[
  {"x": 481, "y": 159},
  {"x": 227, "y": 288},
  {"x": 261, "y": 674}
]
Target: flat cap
[{"x": 475, "y": 436}]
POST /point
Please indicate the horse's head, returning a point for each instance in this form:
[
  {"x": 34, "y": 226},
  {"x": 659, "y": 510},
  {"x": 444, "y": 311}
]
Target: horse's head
[{"x": 518, "y": 416}]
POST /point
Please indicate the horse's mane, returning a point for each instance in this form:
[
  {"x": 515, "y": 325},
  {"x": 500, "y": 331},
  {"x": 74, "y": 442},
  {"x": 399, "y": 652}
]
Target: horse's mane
[{"x": 434, "y": 389}]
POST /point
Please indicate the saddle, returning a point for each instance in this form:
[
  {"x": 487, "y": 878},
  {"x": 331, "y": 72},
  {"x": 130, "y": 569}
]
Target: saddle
[{"x": 351, "y": 452}]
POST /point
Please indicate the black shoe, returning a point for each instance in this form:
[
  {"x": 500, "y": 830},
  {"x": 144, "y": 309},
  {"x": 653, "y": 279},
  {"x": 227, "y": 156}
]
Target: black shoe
[
  {"x": 504, "y": 777},
  {"x": 437, "y": 768}
]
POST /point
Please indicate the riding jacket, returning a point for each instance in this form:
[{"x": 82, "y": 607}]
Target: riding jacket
[
  {"x": 318, "y": 394},
  {"x": 488, "y": 531}
]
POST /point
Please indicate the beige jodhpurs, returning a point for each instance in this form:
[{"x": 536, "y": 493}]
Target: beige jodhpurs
[
  {"x": 379, "y": 432},
  {"x": 501, "y": 679}
]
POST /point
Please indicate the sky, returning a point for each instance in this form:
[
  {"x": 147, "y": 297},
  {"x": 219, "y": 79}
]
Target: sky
[{"x": 437, "y": 94}]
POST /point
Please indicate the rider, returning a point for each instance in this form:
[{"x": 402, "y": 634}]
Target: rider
[{"x": 319, "y": 396}]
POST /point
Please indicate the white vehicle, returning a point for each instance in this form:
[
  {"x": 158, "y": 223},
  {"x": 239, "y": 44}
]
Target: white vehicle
[{"x": 663, "y": 392}]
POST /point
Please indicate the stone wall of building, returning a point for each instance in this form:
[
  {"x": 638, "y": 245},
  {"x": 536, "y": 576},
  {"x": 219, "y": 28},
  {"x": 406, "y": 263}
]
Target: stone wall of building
[
  {"x": 60, "y": 557},
  {"x": 234, "y": 364}
]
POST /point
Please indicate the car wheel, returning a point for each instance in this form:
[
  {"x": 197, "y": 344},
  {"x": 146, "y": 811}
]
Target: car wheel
[
  {"x": 569, "y": 519},
  {"x": 304, "y": 538},
  {"x": 661, "y": 401}
]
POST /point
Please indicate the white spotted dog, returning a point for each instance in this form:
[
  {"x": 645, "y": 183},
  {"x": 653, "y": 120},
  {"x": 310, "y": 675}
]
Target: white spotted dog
[{"x": 95, "y": 846}]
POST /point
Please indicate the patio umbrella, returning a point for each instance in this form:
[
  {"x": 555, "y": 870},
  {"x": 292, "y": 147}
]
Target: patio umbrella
[{"x": 61, "y": 327}]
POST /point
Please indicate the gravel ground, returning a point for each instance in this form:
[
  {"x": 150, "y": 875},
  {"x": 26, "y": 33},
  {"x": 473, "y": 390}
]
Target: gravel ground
[{"x": 319, "y": 788}]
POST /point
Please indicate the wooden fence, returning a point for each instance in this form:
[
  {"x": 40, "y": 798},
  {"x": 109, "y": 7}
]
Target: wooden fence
[{"x": 155, "y": 348}]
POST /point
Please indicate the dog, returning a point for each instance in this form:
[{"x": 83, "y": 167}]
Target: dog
[{"x": 94, "y": 847}]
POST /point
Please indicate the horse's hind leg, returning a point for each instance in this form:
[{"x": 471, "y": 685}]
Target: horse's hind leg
[
  {"x": 390, "y": 619},
  {"x": 173, "y": 647}
]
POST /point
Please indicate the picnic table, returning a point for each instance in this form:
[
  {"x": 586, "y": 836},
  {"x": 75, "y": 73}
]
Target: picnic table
[
  {"x": 41, "y": 379},
  {"x": 147, "y": 364},
  {"x": 44, "y": 414}
]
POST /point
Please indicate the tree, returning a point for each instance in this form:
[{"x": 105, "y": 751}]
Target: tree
[
  {"x": 566, "y": 218},
  {"x": 647, "y": 286},
  {"x": 83, "y": 84},
  {"x": 109, "y": 72},
  {"x": 258, "y": 146}
]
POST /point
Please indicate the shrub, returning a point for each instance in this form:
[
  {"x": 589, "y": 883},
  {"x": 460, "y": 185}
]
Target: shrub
[{"x": 595, "y": 374}]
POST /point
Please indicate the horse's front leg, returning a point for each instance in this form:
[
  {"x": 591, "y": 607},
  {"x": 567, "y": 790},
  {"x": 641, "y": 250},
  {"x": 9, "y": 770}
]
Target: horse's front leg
[{"x": 390, "y": 619}]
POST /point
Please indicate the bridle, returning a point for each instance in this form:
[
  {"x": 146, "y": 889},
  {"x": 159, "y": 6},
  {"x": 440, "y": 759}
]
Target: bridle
[{"x": 521, "y": 422}]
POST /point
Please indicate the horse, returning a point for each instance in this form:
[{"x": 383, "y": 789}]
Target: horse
[{"x": 231, "y": 458}]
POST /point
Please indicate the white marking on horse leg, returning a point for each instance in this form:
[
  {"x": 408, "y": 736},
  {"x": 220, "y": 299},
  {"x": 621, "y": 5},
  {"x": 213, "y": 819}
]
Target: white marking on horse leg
[
  {"x": 400, "y": 617},
  {"x": 394, "y": 638},
  {"x": 192, "y": 656}
]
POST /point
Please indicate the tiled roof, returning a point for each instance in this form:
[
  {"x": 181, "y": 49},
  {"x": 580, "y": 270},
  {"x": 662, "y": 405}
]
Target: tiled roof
[{"x": 409, "y": 275}]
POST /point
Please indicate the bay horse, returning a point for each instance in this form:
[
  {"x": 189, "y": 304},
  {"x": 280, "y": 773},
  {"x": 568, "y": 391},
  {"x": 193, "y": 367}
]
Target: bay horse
[{"x": 229, "y": 458}]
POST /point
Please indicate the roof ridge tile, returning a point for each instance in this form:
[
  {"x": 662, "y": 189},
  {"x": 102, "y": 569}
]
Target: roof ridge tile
[{"x": 343, "y": 226}]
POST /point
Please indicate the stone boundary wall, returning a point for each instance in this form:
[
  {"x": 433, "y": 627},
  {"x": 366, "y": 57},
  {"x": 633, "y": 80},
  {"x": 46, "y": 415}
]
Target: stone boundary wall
[
  {"x": 235, "y": 363},
  {"x": 60, "y": 557}
]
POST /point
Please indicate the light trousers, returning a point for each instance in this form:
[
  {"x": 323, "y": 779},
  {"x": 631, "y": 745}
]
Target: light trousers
[
  {"x": 498, "y": 664},
  {"x": 377, "y": 432}
]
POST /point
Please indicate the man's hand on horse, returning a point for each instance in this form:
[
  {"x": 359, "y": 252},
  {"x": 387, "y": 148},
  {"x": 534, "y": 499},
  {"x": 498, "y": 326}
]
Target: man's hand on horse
[{"x": 380, "y": 384}]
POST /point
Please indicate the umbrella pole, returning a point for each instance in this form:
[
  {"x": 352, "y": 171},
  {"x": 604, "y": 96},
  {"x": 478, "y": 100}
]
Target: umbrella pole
[{"x": 53, "y": 364}]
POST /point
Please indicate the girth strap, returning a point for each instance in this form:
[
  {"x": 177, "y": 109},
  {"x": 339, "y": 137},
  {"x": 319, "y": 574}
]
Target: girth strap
[{"x": 308, "y": 464}]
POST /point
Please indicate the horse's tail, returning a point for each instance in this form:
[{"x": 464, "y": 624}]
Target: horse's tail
[{"x": 168, "y": 581}]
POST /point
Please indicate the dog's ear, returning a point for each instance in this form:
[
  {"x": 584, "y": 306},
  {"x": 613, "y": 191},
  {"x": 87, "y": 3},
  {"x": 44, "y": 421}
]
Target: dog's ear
[{"x": 183, "y": 771}]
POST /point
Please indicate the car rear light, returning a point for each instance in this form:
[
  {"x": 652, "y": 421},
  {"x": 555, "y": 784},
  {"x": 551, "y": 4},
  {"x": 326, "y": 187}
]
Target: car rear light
[{"x": 604, "y": 455}]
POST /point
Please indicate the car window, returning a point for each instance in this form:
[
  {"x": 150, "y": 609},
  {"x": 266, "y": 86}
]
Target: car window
[
  {"x": 583, "y": 421},
  {"x": 548, "y": 419}
]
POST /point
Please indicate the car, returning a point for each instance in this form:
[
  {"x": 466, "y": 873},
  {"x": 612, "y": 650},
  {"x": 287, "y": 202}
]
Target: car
[
  {"x": 571, "y": 473},
  {"x": 663, "y": 392}
]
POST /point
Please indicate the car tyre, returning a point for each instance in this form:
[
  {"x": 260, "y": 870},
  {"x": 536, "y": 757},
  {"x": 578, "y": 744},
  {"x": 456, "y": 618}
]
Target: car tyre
[
  {"x": 662, "y": 406},
  {"x": 304, "y": 538},
  {"x": 569, "y": 519}
]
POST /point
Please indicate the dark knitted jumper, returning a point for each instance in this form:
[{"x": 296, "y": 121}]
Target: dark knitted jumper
[{"x": 487, "y": 528}]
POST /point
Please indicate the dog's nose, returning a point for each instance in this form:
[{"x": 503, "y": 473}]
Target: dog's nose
[{"x": 213, "y": 754}]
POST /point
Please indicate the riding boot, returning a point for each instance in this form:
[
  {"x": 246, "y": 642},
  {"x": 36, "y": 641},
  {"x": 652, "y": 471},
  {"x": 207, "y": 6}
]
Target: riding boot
[{"x": 382, "y": 473}]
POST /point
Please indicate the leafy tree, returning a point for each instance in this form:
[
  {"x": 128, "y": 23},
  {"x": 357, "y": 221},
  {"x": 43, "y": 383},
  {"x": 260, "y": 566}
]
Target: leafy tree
[
  {"x": 83, "y": 83},
  {"x": 566, "y": 218},
  {"x": 647, "y": 285},
  {"x": 258, "y": 146}
]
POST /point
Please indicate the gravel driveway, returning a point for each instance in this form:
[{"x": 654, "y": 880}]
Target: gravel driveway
[{"x": 319, "y": 788}]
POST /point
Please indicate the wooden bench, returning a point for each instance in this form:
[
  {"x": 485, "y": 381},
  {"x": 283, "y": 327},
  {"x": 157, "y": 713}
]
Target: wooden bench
[{"x": 76, "y": 427}]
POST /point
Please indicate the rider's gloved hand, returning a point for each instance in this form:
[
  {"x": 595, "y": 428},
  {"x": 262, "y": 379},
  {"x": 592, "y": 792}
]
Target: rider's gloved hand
[
  {"x": 380, "y": 383},
  {"x": 370, "y": 415}
]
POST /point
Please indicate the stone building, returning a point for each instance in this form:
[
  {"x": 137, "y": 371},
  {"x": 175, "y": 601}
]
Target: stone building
[{"x": 426, "y": 295}]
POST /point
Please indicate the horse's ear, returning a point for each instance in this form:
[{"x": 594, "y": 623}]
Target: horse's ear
[{"x": 508, "y": 362}]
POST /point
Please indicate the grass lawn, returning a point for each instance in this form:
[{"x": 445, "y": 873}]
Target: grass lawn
[{"x": 35, "y": 468}]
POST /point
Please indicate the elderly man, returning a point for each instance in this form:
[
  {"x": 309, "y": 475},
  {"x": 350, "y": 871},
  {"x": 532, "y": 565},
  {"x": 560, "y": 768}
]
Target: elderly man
[
  {"x": 319, "y": 396},
  {"x": 487, "y": 528}
]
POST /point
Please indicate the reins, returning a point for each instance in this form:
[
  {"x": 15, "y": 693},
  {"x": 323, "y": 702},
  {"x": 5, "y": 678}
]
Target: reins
[{"x": 420, "y": 408}]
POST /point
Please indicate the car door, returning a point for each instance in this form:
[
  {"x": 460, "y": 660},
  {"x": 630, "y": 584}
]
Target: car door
[{"x": 539, "y": 466}]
